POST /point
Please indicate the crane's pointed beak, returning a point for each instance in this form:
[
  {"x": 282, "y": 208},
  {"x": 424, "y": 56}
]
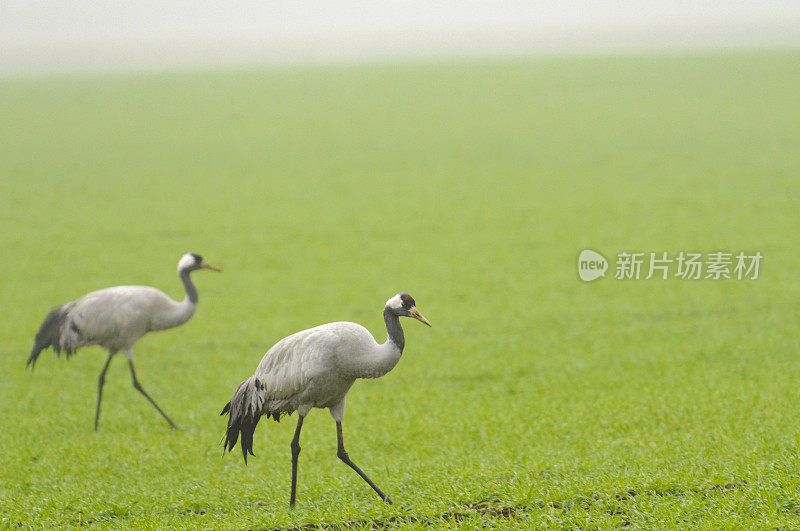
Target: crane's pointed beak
[
  {"x": 205, "y": 265},
  {"x": 413, "y": 312}
]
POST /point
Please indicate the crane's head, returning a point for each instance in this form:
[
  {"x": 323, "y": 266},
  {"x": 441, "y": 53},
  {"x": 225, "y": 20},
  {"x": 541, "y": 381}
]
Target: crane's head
[
  {"x": 192, "y": 262},
  {"x": 403, "y": 304}
]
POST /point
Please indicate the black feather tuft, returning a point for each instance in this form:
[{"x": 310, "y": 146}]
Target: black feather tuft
[
  {"x": 49, "y": 335},
  {"x": 244, "y": 411}
]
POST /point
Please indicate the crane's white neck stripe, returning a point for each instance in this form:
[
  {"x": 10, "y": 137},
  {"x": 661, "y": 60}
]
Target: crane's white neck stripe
[
  {"x": 395, "y": 302},
  {"x": 186, "y": 262}
]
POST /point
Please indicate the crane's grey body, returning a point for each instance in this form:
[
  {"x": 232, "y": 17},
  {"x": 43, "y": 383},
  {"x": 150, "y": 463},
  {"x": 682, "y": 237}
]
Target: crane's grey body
[
  {"x": 115, "y": 318},
  {"x": 315, "y": 368}
]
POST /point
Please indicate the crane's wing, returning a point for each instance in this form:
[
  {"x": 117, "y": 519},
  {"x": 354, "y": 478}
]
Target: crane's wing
[
  {"x": 286, "y": 371},
  {"x": 295, "y": 361}
]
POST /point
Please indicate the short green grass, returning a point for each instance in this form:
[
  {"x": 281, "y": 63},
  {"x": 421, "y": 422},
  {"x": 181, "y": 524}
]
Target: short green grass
[{"x": 535, "y": 400}]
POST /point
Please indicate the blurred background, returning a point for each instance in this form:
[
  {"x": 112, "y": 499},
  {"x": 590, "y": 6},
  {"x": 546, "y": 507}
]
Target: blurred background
[{"x": 62, "y": 35}]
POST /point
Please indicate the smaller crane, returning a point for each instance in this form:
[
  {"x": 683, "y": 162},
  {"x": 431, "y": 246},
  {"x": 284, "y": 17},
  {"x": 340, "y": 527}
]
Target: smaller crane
[
  {"x": 315, "y": 368},
  {"x": 115, "y": 318}
]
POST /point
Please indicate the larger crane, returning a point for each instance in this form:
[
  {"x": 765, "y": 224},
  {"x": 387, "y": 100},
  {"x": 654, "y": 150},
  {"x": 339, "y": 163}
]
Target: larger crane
[
  {"x": 115, "y": 318},
  {"x": 315, "y": 368}
]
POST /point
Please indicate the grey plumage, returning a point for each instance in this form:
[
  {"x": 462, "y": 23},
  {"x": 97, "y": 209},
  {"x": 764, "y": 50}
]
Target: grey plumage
[
  {"x": 315, "y": 368},
  {"x": 115, "y": 318}
]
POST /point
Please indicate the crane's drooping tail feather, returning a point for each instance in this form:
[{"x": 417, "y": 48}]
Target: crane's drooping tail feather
[
  {"x": 244, "y": 410},
  {"x": 49, "y": 335}
]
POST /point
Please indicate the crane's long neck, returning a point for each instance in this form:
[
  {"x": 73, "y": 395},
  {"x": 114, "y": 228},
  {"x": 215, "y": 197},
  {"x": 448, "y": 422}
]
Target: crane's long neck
[
  {"x": 382, "y": 360},
  {"x": 191, "y": 291},
  {"x": 179, "y": 312},
  {"x": 394, "y": 329}
]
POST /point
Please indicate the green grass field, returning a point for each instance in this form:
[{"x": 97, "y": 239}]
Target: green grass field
[{"x": 536, "y": 399}]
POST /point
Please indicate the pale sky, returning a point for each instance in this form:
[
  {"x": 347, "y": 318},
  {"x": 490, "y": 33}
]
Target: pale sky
[{"x": 45, "y": 35}]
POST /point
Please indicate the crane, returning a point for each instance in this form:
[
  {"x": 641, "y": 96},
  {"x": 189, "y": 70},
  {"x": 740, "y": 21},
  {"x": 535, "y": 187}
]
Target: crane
[
  {"x": 315, "y": 368},
  {"x": 115, "y": 318}
]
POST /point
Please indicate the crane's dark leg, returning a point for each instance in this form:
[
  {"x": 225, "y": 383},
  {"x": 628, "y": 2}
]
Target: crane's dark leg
[
  {"x": 100, "y": 383},
  {"x": 295, "y": 454},
  {"x": 342, "y": 454},
  {"x": 139, "y": 388}
]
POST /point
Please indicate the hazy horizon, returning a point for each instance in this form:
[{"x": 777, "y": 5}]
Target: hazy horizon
[{"x": 57, "y": 35}]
